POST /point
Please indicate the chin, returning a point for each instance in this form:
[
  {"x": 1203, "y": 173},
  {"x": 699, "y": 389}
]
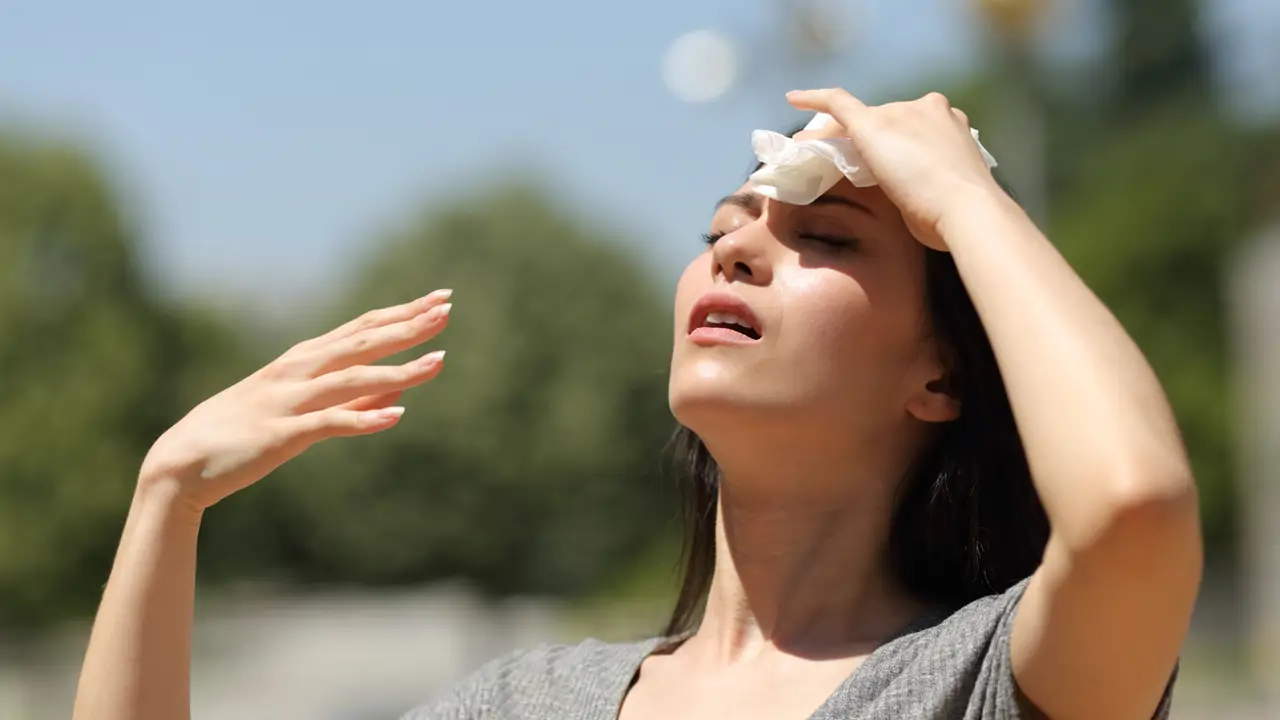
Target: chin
[{"x": 701, "y": 400}]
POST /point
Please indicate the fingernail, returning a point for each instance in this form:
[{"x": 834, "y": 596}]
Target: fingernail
[
  {"x": 441, "y": 312},
  {"x": 443, "y": 294},
  {"x": 387, "y": 413},
  {"x": 432, "y": 358}
]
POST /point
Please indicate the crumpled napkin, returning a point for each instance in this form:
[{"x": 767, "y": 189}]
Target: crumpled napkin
[{"x": 799, "y": 172}]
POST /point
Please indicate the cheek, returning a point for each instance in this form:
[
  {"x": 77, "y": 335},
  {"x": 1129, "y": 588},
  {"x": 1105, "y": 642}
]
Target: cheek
[
  {"x": 825, "y": 315},
  {"x": 842, "y": 329}
]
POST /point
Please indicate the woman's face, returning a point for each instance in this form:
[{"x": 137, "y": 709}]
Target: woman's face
[{"x": 838, "y": 338}]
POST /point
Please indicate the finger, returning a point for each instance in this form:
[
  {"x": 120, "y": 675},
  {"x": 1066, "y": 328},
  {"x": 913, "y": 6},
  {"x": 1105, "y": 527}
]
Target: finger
[
  {"x": 380, "y": 317},
  {"x": 353, "y": 383},
  {"x": 836, "y": 102},
  {"x": 937, "y": 99},
  {"x": 369, "y": 346},
  {"x": 373, "y": 402},
  {"x": 338, "y": 422},
  {"x": 826, "y": 132},
  {"x": 961, "y": 116}
]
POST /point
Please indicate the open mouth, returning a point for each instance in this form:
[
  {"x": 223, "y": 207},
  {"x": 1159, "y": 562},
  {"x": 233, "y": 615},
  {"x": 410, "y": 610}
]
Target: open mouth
[
  {"x": 723, "y": 318},
  {"x": 733, "y": 323}
]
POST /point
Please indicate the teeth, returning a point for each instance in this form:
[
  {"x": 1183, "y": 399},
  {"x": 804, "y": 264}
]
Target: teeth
[{"x": 717, "y": 318}]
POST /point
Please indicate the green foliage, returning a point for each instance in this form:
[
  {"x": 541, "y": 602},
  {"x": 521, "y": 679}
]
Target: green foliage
[
  {"x": 532, "y": 464},
  {"x": 1160, "y": 53},
  {"x": 91, "y": 370},
  {"x": 1152, "y": 231},
  {"x": 1159, "y": 190},
  {"x": 1151, "y": 194}
]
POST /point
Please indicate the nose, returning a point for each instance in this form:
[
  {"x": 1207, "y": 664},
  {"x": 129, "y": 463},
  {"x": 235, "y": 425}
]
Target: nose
[{"x": 744, "y": 255}]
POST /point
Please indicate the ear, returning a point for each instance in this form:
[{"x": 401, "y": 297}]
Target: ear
[
  {"x": 936, "y": 399},
  {"x": 934, "y": 403}
]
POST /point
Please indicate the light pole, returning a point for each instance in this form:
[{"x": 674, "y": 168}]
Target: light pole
[
  {"x": 1017, "y": 136},
  {"x": 1255, "y": 288}
]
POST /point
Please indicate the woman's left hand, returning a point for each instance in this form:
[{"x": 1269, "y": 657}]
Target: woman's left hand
[{"x": 921, "y": 153}]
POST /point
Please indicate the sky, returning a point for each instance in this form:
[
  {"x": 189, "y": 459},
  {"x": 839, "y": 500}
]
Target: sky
[{"x": 261, "y": 146}]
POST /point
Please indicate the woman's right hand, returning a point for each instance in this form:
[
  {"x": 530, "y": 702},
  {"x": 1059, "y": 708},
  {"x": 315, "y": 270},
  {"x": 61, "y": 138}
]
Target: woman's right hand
[{"x": 321, "y": 388}]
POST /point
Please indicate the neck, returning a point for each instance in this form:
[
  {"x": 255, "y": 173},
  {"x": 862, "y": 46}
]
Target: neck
[{"x": 801, "y": 557}]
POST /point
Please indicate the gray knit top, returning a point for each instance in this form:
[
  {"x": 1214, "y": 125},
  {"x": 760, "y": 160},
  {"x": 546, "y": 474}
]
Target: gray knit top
[{"x": 948, "y": 667}]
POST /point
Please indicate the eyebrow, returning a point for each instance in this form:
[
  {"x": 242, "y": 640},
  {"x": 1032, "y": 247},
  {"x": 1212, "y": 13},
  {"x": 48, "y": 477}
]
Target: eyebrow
[
  {"x": 754, "y": 203},
  {"x": 750, "y": 202},
  {"x": 842, "y": 200}
]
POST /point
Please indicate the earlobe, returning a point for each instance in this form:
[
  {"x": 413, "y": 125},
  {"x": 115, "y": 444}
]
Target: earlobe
[{"x": 934, "y": 403}]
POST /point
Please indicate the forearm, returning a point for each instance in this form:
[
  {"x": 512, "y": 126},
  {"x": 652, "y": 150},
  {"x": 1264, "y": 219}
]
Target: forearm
[
  {"x": 1099, "y": 434},
  {"x": 137, "y": 666}
]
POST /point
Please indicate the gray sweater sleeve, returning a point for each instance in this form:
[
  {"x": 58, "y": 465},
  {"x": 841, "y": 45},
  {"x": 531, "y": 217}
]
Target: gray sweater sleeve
[{"x": 997, "y": 691}]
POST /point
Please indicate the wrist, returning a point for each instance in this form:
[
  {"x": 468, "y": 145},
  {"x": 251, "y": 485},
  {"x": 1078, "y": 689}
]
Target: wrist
[
  {"x": 163, "y": 494},
  {"x": 977, "y": 211}
]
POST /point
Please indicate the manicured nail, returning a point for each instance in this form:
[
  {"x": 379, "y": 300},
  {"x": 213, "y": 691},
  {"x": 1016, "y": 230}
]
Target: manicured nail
[
  {"x": 432, "y": 358},
  {"x": 440, "y": 312},
  {"x": 387, "y": 413},
  {"x": 443, "y": 294}
]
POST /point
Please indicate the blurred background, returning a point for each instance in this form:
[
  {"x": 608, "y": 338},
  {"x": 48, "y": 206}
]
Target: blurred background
[{"x": 187, "y": 190}]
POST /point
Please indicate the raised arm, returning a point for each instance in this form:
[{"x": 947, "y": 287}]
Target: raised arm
[
  {"x": 1098, "y": 631},
  {"x": 137, "y": 666}
]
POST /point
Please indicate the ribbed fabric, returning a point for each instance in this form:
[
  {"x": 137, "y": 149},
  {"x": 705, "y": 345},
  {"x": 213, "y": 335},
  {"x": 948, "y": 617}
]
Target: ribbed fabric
[{"x": 954, "y": 667}]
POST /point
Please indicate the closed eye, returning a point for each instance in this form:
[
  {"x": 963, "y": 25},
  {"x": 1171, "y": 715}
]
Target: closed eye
[{"x": 830, "y": 241}]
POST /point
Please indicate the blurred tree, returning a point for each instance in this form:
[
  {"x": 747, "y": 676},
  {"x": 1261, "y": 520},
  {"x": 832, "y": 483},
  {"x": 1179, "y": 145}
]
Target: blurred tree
[
  {"x": 1158, "y": 202},
  {"x": 1151, "y": 228},
  {"x": 1152, "y": 191},
  {"x": 1160, "y": 54},
  {"x": 532, "y": 464},
  {"x": 92, "y": 369}
]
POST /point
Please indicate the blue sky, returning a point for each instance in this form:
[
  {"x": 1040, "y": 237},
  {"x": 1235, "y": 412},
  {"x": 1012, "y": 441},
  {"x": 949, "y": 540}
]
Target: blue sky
[{"x": 259, "y": 144}]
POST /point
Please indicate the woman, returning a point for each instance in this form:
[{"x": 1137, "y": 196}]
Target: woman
[{"x": 873, "y": 505}]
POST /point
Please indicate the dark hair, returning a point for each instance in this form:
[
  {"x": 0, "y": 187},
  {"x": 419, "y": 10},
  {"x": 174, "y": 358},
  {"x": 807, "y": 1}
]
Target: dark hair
[{"x": 967, "y": 523}]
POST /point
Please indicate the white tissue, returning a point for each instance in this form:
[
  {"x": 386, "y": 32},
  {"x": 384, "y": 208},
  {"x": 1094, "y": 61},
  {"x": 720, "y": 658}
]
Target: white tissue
[{"x": 797, "y": 172}]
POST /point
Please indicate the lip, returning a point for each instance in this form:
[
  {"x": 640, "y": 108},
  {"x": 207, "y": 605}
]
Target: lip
[{"x": 722, "y": 302}]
